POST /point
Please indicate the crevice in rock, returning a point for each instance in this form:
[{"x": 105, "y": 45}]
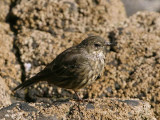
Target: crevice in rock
[
  {"x": 18, "y": 57},
  {"x": 113, "y": 40},
  {"x": 11, "y": 20}
]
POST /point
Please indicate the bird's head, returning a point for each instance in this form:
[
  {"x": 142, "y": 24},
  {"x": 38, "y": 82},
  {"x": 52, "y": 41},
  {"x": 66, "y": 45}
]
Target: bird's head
[{"x": 95, "y": 44}]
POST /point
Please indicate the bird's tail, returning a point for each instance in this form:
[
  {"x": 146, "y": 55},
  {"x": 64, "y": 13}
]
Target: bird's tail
[{"x": 29, "y": 82}]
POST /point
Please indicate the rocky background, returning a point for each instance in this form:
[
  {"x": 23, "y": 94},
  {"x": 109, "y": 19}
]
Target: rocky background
[
  {"x": 33, "y": 32},
  {"x": 132, "y": 6}
]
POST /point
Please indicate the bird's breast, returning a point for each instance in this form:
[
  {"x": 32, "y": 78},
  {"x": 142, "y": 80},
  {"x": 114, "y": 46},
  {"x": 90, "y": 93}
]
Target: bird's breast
[{"x": 97, "y": 67}]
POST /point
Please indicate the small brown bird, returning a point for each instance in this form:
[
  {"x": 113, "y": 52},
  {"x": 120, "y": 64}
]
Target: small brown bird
[{"x": 76, "y": 67}]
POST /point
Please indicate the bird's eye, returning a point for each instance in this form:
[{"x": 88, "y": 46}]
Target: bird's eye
[{"x": 97, "y": 45}]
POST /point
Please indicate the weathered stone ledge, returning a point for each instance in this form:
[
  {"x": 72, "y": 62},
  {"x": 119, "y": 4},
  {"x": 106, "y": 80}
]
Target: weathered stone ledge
[{"x": 117, "y": 109}]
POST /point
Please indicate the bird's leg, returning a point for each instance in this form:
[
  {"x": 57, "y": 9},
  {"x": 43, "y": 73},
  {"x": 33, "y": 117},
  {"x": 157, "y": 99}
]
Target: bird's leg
[{"x": 79, "y": 99}]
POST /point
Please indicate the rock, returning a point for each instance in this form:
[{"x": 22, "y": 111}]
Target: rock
[
  {"x": 97, "y": 109},
  {"x": 62, "y": 16},
  {"x": 10, "y": 70},
  {"x": 133, "y": 66},
  {"x": 4, "y": 8},
  {"x": 4, "y": 94}
]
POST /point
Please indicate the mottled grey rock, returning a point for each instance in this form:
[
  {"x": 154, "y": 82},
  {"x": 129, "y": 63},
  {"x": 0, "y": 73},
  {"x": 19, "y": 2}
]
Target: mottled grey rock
[{"x": 101, "y": 109}]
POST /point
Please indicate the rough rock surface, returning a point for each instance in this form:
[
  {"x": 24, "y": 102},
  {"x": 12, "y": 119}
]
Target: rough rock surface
[
  {"x": 69, "y": 15},
  {"x": 133, "y": 69},
  {"x": 9, "y": 67},
  {"x": 4, "y": 94},
  {"x": 4, "y": 8},
  {"x": 10, "y": 72},
  {"x": 110, "y": 109}
]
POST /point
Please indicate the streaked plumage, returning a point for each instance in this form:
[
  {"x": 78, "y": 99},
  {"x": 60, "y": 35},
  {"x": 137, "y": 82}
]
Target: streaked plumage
[{"x": 74, "y": 68}]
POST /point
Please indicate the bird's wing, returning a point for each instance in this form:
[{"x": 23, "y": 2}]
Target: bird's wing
[
  {"x": 62, "y": 69},
  {"x": 69, "y": 61},
  {"x": 65, "y": 65}
]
